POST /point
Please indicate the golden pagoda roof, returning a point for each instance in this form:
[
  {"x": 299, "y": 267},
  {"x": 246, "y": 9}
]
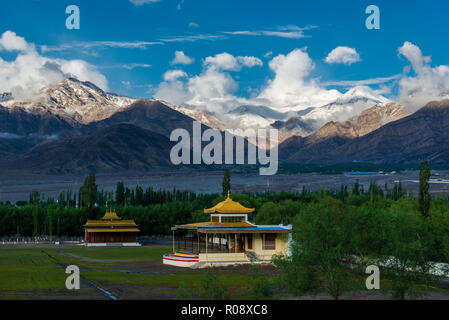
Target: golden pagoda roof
[
  {"x": 110, "y": 220},
  {"x": 96, "y": 230},
  {"x": 212, "y": 224},
  {"x": 229, "y": 206},
  {"x": 102, "y": 223}
]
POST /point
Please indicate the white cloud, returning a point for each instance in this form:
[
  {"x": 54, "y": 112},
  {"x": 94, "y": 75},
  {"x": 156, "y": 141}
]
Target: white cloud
[
  {"x": 268, "y": 54},
  {"x": 365, "y": 82},
  {"x": 181, "y": 58},
  {"x": 173, "y": 75},
  {"x": 100, "y": 44},
  {"x": 11, "y": 42},
  {"x": 250, "y": 62},
  {"x": 291, "y": 86},
  {"x": 172, "y": 91},
  {"x": 226, "y": 61},
  {"x": 30, "y": 71},
  {"x": 193, "y": 38},
  {"x": 427, "y": 83},
  {"x": 290, "y": 32},
  {"x": 214, "y": 89},
  {"x": 193, "y": 25},
  {"x": 142, "y": 2},
  {"x": 128, "y": 66},
  {"x": 222, "y": 61},
  {"x": 343, "y": 55},
  {"x": 127, "y": 84},
  {"x": 87, "y": 45}
]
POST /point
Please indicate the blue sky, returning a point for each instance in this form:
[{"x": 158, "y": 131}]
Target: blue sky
[{"x": 143, "y": 39}]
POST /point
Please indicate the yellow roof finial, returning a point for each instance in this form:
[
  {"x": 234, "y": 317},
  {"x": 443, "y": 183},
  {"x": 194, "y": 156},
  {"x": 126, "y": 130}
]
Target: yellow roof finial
[{"x": 228, "y": 196}]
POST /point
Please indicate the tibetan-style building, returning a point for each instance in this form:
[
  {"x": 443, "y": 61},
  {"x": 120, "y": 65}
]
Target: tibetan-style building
[
  {"x": 111, "y": 230},
  {"x": 228, "y": 238}
]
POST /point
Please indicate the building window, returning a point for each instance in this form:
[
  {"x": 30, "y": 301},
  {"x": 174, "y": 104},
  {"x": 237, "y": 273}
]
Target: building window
[
  {"x": 269, "y": 241},
  {"x": 215, "y": 219},
  {"x": 232, "y": 219}
]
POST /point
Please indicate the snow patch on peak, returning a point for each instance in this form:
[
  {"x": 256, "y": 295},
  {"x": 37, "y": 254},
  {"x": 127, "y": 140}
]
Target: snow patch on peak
[{"x": 81, "y": 101}]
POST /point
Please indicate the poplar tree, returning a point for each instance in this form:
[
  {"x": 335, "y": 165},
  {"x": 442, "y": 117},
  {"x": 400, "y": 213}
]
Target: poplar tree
[
  {"x": 34, "y": 199},
  {"x": 226, "y": 184},
  {"x": 120, "y": 194},
  {"x": 88, "y": 194},
  {"x": 424, "y": 194}
]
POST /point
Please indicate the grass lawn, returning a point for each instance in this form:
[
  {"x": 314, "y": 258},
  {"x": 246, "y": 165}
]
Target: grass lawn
[
  {"x": 32, "y": 272},
  {"x": 133, "y": 272},
  {"x": 148, "y": 253},
  {"x": 29, "y": 269},
  {"x": 33, "y": 269},
  {"x": 171, "y": 280}
]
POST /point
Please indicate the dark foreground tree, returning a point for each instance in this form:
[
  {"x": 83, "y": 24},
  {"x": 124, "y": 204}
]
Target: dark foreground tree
[
  {"x": 321, "y": 246},
  {"x": 407, "y": 257}
]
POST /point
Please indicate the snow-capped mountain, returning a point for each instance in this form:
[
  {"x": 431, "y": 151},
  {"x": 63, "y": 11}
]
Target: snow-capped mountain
[
  {"x": 367, "y": 121},
  {"x": 293, "y": 122},
  {"x": 5, "y": 96},
  {"x": 250, "y": 116},
  {"x": 81, "y": 101},
  {"x": 346, "y": 106},
  {"x": 201, "y": 116},
  {"x": 294, "y": 126},
  {"x": 376, "y": 117},
  {"x": 84, "y": 103}
]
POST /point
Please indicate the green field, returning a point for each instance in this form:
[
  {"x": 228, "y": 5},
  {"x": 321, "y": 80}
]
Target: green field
[
  {"x": 134, "y": 272},
  {"x": 153, "y": 253},
  {"x": 29, "y": 269},
  {"x": 131, "y": 273}
]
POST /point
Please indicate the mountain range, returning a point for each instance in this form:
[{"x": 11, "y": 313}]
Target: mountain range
[{"x": 75, "y": 126}]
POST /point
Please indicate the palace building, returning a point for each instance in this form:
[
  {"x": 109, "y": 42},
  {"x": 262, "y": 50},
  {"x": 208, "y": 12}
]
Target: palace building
[
  {"x": 228, "y": 238},
  {"x": 111, "y": 230}
]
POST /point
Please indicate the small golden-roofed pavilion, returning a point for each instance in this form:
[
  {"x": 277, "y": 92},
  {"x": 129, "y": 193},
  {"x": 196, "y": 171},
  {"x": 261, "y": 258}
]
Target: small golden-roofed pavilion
[
  {"x": 228, "y": 236},
  {"x": 110, "y": 229},
  {"x": 229, "y": 206}
]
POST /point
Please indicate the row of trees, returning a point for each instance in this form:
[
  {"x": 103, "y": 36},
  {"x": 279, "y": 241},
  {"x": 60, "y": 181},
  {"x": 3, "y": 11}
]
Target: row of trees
[
  {"x": 37, "y": 216},
  {"x": 336, "y": 237},
  {"x": 330, "y": 235},
  {"x": 89, "y": 196}
]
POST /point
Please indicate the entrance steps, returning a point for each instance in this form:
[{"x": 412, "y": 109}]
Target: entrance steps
[
  {"x": 252, "y": 256},
  {"x": 180, "y": 259}
]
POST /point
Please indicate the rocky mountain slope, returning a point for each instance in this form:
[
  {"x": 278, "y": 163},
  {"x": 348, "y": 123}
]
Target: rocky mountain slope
[
  {"x": 411, "y": 139},
  {"x": 75, "y": 126},
  {"x": 119, "y": 147},
  {"x": 294, "y": 126},
  {"x": 75, "y": 100},
  {"x": 201, "y": 116},
  {"x": 367, "y": 121},
  {"x": 148, "y": 114}
]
